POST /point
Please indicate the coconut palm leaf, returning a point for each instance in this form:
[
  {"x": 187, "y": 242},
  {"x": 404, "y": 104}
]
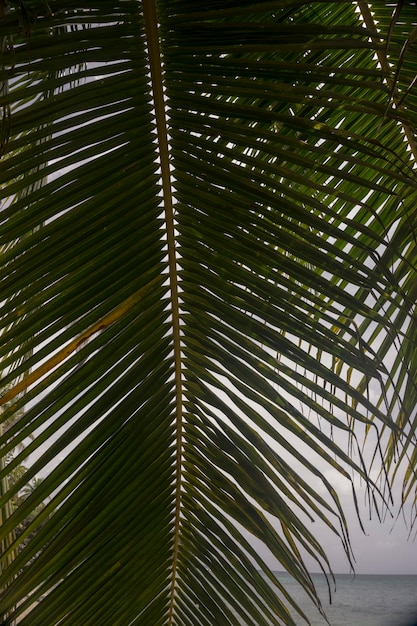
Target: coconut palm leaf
[{"x": 208, "y": 270}]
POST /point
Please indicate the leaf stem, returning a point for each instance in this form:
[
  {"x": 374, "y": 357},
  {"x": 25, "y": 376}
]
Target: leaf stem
[
  {"x": 386, "y": 69},
  {"x": 159, "y": 102},
  {"x": 63, "y": 354}
]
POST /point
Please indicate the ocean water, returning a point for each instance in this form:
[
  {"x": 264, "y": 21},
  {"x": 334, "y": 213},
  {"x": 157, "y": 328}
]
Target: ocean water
[{"x": 363, "y": 600}]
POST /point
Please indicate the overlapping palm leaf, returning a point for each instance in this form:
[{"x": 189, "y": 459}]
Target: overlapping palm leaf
[{"x": 208, "y": 272}]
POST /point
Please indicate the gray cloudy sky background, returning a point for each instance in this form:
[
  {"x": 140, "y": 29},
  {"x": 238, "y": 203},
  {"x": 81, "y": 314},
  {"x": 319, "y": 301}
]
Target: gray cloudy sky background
[{"x": 386, "y": 547}]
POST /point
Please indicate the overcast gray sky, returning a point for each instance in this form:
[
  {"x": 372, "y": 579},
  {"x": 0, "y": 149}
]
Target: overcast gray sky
[{"x": 386, "y": 548}]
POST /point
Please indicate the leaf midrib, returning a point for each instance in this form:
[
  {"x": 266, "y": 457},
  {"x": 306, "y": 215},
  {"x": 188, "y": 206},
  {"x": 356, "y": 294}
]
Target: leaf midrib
[{"x": 159, "y": 103}]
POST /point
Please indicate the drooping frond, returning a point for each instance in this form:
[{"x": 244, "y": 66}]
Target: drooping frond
[{"x": 208, "y": 298}]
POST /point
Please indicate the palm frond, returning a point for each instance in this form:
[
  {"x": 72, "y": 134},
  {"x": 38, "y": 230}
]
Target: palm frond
[{"x": 208, "y": 275}]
